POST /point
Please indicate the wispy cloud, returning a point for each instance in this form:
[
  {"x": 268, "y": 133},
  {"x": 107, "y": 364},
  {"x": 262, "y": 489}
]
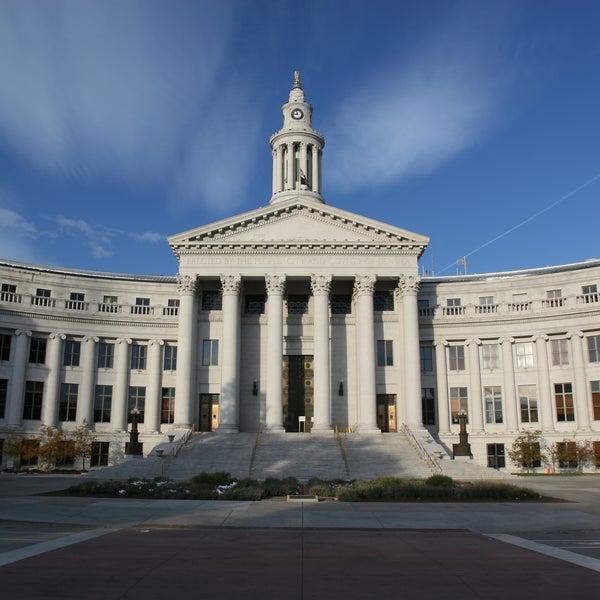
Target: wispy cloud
[{"x": 416, "y": 113}]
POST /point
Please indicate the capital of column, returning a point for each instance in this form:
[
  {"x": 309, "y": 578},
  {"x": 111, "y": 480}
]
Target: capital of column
[
  {"x": 24, "y": 332},
  {"x": 275, "y": 284},
  {"x": 543, "y": 338},
  {"x": 124, "y": 341},
  {"x": 231, "y": 284},
  {"x": 364, "y": 285},
  {"x": 57, "y": 336},
  {"x": 408, "y": 284},
  {"x": 571, "y": 334},
  {"x": 320, "y": 284},
  {"x": 506, "y": 340},
  {"x": 156, "y": 342},
  {"x": 187, "y": 284},
  {"x": 475, "y": 341},
  {"x": 91, "y": 338},
  {"x": 440, "y": 343}
]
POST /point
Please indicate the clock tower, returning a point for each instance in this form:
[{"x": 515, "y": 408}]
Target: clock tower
[{"x": 297, "y": 150}]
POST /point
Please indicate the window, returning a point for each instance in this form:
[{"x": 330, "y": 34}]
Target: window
[
  {"x": 297, "y": 305},
  {"x": 595, "y": 385},
  {"x": 524, "y": 352},
  {"x": 385, "y": 353},
  {"x": 453, "y": 302},
  {"x": 137, "y": 400},
  {"x": 37, "y": 351},
  {"x": 67, "y": 408},
  {"x": 212, "y": 300},
  {"x": 172, "y": 308},
  {"x": 142, "y": 306},
  {"x": 490, "y": 356},
  {"x": 72, "y": 353},
  {"x": 106, "y": 354},
  {"x": 32, "y": 405},
  {"x": 5, "y": 341},
  {"x": 458, "y": 402},
  {"x": 563, "y": 394},
  {"x": 589, "y": 293},
  {"x": 65, "y": 456},
  {"x": 493, "y": 404},
  {"x": 8, "y": 293},
  {"x": 528, "y": 403},
  {"x": 170, "y": 358},
  {"x": 167, "y": 407},
  {"x": 428, "y": 405},
  {"x": 42, "y": 297},
  {"x": 486, "y": 305},
  {"x": 383, "y": 301},
  {"x": 456, "y": 356},
  {"x": 426, "y": 358},
  {"x": 99, "y": 456},
  {"x": 138, "y": 357},
  {"x": 341, "y": 304},
  {"x": 110, "y": 304},
  {"x": 76, "y": 301},
  {"x": 3, "y": 395},
  {"x": 593, "y": 343},
  {"x": 554, "y": 298},
  {"x": 495, "y": 456},
  {"x": 596, "y": 448},
  {"x": 255, "y": 305},
  {"x": 102, "y": 403},
  {"x": 560, "y": 352},
  {"x": 210, "y": 352},
  {"x": 566, "y": 452},
  {"x": 453, "y": 306}
]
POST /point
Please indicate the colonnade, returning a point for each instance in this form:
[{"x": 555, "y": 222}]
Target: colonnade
[{"x": 291, "y": 160}]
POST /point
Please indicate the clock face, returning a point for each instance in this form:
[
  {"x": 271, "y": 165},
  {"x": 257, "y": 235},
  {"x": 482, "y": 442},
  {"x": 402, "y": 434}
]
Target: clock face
[{"x": 297, "y": 114}]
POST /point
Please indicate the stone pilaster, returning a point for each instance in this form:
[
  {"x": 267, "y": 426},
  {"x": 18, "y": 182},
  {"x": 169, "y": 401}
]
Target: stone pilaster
[
  {"x": 511, "y": 407},
  {"x": 14, "y": 415},
  {"x": 581, "y": 401},
  {"x": 153, "y": 395},
  {"x": 320, "y": 286},
  {"x": 476, "y": 412},
  {"x": 85, "y": 405},
  {"x": 274, "y": 403},
  {"x": 443, "y": 402},
  {"x": 121, "y": 388},
  {"x": 52, "y": 392},
  {"x": 545, "y": 392}
]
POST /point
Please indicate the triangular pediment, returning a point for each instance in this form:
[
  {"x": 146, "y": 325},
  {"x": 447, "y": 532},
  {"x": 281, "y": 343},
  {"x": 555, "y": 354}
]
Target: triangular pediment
[{"x": 297, "y": 222}]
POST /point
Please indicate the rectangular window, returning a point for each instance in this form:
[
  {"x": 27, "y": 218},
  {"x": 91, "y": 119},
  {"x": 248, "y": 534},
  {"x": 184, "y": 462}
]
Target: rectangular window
[
  {"x": 495, "y": 456},
  {"x": 493, "y": 404},
  {"x": 8, "y": 293},
  {"x": 554, "y": 298},
  {"x": 426, "y": 359},
  {"x": 255, "y": 304},
  {"x": 486, "y": 305},
  {"x": 172, "y": 308},
  {"x": 590, "y": 293},
  {"x": 560, "y": 352},
  {"x": 99, "y": 456},
  {"x": 72, "y": 353},
  {"x": 341, "y": 304},
  {"x": 37, "y": 351},
  {"x": 528, "y": 403},
  {"x": 76, "y": 301},
  {"x": 138, "y": 357},
  {"x": 385, "y": 353},
  {"x": 42, "y": 297},
  {"x": 5, "y": 341},
  {"x": 67, "y": 409},
  {"x": 102, "y": 403},
  {"x": 595, "y": 385},
  {"x": 459, "y": 402},
  {"x": 106, "y": 355},
  {"x": 3, "y": 396},
  {"x": 490, "y": 356},
  {"x": 32, "y": 405},
  {"x": 170, "y": 358},
  {"x": 524, "y": 352},
  {"x": 486, "y": 300},
  {"x": 210, "y": 353},
  {"x": 563, "y": 395},
  {"x": 142, "y": 306},
  {"x": 428, "y": 405},
  {"x": 297, "y": 304},
  {"x": 167, "y": 407},
  {"x": 110, "y": 304},
  {"x": 136, "y": 400},
  {"x": 456, "y": 358},
  {"x": 566, "y": 452},
  {"x": 383, "y": 301},
  {"x": 593, "y": 344},
  {"x": 212, "y": 300}
]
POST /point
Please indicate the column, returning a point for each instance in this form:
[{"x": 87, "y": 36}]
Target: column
[
  {"x": 274, "y": 405},
  {"x": 581, "y": 401},
  {"x": 511, "y": 407},
  {"x": 230, "y": 369},
  {"x": 320, "y": 286},
  {"x": 121, "y": 388},
  {"x": 476, "y": 412},
  {"x": 303, "y": 165},
  {"x": 364, "y": 286},
  {"x": 316, "y": 171},
  {"x": 52, "y": 392},
  {"x": 441, "y": 370},
  {"x": 14, "y": 415},
  {"x": 185, "y": 380},
  {"x": 544, "y": 387},
  {"x": 278, "y": 170},
  {"x": 85, "y": 404},
  {"x": 291, "y": 179},
  {"x": 408, "y": 287},
  {"x": 153, "y": 396}
]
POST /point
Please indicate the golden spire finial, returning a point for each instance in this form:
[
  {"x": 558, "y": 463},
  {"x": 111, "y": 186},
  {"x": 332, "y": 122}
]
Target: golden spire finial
[{"x": 297, "y": 82}]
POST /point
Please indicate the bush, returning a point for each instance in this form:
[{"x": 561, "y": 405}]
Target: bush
[
  {"x": 442, "y": 480},
  {"x": 211, "y": 479},
  {"x": 280, "y": 487}
]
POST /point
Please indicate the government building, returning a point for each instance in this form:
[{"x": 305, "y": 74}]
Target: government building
[{"x": 301, "y": 318}]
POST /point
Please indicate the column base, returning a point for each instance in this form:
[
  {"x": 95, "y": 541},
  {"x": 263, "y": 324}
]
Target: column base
[
  {"x": 368, "y": 429},
  {"x": 228, "y": 428},
  {"x": 317, "y": 428}
]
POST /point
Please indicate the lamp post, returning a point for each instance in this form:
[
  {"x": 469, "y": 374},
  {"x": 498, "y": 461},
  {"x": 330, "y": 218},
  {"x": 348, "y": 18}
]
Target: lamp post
[
  {"x": 134, "y": 448},
  {"x": 463, "y": 448}
]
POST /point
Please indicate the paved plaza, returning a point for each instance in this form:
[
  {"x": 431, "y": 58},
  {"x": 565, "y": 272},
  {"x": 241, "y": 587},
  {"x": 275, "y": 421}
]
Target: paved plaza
[{"x": 54, "y": 546}]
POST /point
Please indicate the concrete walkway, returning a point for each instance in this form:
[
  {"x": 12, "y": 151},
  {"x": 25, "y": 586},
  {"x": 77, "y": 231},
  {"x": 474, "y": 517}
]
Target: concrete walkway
[{"x": 118, "y": 548}]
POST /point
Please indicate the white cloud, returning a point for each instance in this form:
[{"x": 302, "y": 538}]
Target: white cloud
[{"x": 11, "y": 220}]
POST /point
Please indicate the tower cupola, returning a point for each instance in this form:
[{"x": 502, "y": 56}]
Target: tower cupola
[{"x": 297, "y": 150}]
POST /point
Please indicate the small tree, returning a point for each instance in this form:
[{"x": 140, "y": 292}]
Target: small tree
[
  {"x": 571, "y": 453},
  {"x": 21, "y": 448},
  {"x": 526, "y": 450},
  {"x": 53, "y": 447},
  {"x": 83, "y": 439}
]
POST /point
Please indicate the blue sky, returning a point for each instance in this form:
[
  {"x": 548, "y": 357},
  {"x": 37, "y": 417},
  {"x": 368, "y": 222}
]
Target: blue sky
[{"x": 123, "y": 122}]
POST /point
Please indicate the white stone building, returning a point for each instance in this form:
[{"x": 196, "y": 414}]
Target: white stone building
[{"x": 298, "y": 316}]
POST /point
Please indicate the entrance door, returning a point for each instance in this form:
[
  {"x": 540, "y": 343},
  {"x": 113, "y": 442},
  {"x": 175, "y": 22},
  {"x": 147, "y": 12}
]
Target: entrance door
[
  {"x": 386, "y": 412},
  {"x": 298, "y": 393},
  {"x": 209, "y": 412}
]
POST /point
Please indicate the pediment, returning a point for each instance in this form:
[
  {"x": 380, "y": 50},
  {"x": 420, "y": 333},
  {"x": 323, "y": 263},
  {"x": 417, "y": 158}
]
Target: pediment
[{"x": 296, "y": 223}]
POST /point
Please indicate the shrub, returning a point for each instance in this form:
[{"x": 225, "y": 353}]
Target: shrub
[
  {"x": 442, "y": 480},
  {"x": 211, "y": 479},
  {"x": 280, "y": 487}
]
